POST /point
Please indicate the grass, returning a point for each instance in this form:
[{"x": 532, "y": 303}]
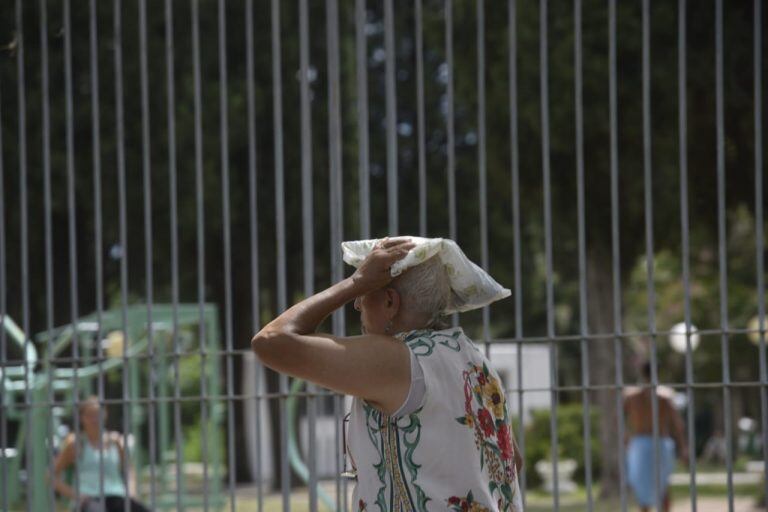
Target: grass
[{"x": 537, "y": 500}]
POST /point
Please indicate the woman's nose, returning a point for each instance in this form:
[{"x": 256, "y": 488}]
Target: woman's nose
[{"x": 357, "y": 304}]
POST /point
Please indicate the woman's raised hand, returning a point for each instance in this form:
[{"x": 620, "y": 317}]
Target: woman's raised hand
[{"x": 374, "y": 272}]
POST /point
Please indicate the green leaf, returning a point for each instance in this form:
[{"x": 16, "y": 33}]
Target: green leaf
[{"x": 493, "y": 448}]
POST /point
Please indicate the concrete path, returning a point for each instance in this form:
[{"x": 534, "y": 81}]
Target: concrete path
[
  {"x": 717, "y": 505},
  {"x": 684, "y": 479}
]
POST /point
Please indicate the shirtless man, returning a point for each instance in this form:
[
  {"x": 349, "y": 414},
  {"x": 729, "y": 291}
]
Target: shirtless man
[{"x": 640, "y": 450}]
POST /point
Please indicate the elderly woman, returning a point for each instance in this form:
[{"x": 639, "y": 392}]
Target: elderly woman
[{"x": 429, "y": 427}]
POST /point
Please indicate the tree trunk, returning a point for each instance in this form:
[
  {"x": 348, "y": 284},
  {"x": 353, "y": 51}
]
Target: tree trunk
[
  {"x": 242, "y": 338},
  {"x": 602, "y": 369}
]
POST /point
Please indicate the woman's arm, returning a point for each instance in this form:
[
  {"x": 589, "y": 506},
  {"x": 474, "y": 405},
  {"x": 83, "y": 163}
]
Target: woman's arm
[
  {"x": 373, "y": 367},
  {"x": 64, "y": 459},
  {"x": 374, "y": 273},
  {"x": 518, "y": 457},
  {"x": 678, "y": 432},
  {"x": 307, "y": 315},
  {"x": 130, "y": 479}
]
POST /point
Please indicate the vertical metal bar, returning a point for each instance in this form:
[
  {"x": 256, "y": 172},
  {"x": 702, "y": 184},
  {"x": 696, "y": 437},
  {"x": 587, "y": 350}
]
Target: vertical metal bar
[
  {"x": 544, "y": 84},
  {"x": 306, "y": 151},
  {"x": 3, "y": 336},
  {"x": 450, "y": 125},
  {"x": 683, "y": 144},
  {"x": 362, "y": 125},
  {"x": 334, "y": 131},
  {"x": 174, "y": 242},
  {"x": 338, "y": 405},
  {"x": 24, "y": 241},
  {"x": 482, "y": 160},
  {"x": 70, "y": 142},
  {"x": 337, "y": 202},
  {"x": 277, "y": 104},
  {"x": 46, "y": 153},
  {"x": 307, "y": 232},
  {"x": 123, "y": 225},
  {"x": 615, "y": 253},
  {"x": 224, "y": 135},
  {"x": 149, "y": 278},
  {"x": 128, "y": 364},
  {"x": 98, "y": 236},
  {"x": 451, "y": 131},
  {"x": 277, "y": 113},
  {"x": 391, "y": 117},
  {"x": 581, "y": 207},
  {"x": 361, "y": 46},
  {"x": 649, "y": 254},
  {"x": 200, "y": 223},
  {"x": 420, "y": 119},
  {"x": 759, "y": 233},
  {"x": 721, "y": 239},
  {"x": 362, "y": 129},
  {"x": 71, "y": 216},
  {"x": 254, "y": 234},
  {"x": 516, "y": 234}
]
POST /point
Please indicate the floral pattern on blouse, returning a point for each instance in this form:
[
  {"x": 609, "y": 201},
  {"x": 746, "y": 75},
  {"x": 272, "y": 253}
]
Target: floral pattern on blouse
[
  {"x": 465, "y": 504},
  {"x": 485, "y": 413},
  {"x": 395, "y": 440}
]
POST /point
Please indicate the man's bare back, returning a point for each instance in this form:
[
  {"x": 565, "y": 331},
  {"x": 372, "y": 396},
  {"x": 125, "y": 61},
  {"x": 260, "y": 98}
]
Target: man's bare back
[{"x": 638, "y": 407}]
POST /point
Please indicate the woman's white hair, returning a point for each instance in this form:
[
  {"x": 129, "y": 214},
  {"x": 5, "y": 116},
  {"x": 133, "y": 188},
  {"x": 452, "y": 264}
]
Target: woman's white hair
[{"x": 425, "y": 290}]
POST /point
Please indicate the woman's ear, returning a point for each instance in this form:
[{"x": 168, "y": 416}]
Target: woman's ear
[{"x": 393, "y": 301}]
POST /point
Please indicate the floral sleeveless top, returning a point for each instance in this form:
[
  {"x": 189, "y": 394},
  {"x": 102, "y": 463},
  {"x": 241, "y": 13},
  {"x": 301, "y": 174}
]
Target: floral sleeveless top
[{"x": 455, "y": 452}]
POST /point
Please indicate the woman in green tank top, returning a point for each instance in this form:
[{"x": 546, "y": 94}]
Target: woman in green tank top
[{"x": 98, "y": 459}]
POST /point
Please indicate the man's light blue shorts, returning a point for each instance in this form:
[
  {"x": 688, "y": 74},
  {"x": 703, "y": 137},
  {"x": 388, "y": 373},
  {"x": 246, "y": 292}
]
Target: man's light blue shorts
[{"x": 640, "y": 467}]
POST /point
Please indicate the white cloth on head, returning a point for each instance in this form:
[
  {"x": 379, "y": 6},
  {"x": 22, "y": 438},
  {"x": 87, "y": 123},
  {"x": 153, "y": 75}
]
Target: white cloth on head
[{"x": 472, "y": 287}]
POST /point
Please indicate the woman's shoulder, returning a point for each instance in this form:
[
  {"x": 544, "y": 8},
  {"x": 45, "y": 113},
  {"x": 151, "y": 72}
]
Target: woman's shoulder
[
  {"x": 69, "y": 442},
  {"x": 115, "y": 438}
]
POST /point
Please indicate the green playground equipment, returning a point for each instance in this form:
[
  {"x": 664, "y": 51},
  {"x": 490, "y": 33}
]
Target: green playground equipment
[
  {"x": 27, "y": 382},
  {"x": 294, "y": 455}
]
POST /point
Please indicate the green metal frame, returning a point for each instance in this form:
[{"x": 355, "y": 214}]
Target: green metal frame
[
  {"x": 63, "y": 381},
  {"x": 294, "y": 455}
]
